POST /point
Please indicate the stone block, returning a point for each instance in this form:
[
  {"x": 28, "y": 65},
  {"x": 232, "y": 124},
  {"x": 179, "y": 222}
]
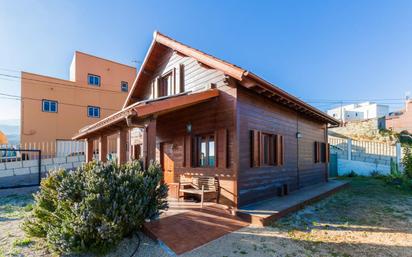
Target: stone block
[
  {"x": 59, "y": 160},
  {"x": 35, "y": 170},
  {"x": 77, "y": 164},
  {"x": 2, "y": 166},
  {"x": 21, "y": 171},
  {"x": 14, "y": 165},
  {"x": 73, "y": 159},
  {"x": 30, "y": 163},
  {"x": 6, "y": 173},
  {"x": 47, "y": 161},
  {"x": 68, "y": 165}
]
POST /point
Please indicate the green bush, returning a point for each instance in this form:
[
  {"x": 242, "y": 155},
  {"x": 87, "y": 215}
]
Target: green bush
[
  {"x": 407, "y": 162},
  {"x": 95, "y": 206}
]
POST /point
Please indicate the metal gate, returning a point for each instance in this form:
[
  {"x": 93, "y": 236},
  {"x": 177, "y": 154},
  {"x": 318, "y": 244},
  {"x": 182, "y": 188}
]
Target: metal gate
[
  {"x": 19, "y": 167},
  {"x": 333, "y": 165}
]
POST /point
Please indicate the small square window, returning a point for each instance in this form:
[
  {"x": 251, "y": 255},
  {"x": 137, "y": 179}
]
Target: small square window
[
  {"x": 93, "y": 112},
  {"x": 124, "y": 86},
  {"x": 49, "y": 106},
  {"x": 93, "y": 80}
]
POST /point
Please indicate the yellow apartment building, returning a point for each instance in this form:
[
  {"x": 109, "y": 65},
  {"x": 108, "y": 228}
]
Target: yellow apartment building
[{"x": 55, "y": 109}]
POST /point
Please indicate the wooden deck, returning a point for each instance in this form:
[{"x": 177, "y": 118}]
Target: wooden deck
[
  {"x": 264, "y": 212},
  {"x": 186, "y": 226}
]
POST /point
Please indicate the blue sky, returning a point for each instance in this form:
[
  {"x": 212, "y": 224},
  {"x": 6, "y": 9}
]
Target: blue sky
[{"x": 321, "y": 51}]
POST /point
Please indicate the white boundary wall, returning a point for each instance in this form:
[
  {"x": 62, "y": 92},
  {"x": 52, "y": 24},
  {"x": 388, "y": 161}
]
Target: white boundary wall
[{"x": 8, "y": 169}]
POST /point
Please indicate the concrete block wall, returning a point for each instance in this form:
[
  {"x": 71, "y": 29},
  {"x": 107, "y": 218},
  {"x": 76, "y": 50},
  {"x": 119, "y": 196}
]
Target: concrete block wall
[
  {"x": 361, "y": 168},
  {"x": 28, "y": 167}
]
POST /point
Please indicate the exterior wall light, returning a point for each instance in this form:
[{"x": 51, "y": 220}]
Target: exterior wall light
[
  {"x": 298, "y": 135},
  {"x": 189, "y": 127}
]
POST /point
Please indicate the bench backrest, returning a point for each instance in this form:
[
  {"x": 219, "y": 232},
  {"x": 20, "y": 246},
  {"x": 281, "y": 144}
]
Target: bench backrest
[{"x": 209, "y": 183}]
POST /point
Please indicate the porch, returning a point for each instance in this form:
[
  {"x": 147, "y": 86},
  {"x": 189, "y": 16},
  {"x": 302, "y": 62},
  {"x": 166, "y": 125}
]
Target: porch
[{"x": 186, "y": 226}]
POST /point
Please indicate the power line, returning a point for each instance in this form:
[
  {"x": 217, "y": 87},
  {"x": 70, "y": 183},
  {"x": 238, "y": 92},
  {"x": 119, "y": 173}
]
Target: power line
[
  {"x": 17, "y": 98},
  {"x": 57, "y": 84}
]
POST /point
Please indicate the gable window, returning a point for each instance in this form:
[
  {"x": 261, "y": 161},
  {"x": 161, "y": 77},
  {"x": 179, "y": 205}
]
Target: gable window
[
  {"x": 205, "y": 151},
  {"x": 166, "y": 85},
  {"x": 93, "y": 80},
  {"x": 93, "y": 111},
  {"x": 124, "y": 86},
  {"x": 49, "y": 106}
]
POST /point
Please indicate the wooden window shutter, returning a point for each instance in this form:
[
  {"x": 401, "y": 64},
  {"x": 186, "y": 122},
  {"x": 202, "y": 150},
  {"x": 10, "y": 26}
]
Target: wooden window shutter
[
  {"x": 255, "y": 148},
  {"x": 188, "y": 152},
  {"x": 158, "y": 80},
  {"x": 181, "y": 86},
  {"x": 327, "y": 152},
  {"x": 279, "y": 150},
  {"x": 317, "y": 151},
  {"x": 173, "y": 89},
  {"x": 222, "y": 148}
]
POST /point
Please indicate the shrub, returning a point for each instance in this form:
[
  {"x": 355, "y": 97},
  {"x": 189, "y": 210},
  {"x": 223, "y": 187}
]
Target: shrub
[
  {"x": 407, "y": 162},
  {"x": 352, "y": 174},
  {"x": 95, "y": 206}
]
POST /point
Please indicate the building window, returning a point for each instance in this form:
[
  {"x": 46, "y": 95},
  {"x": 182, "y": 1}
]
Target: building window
[
  {"x": 93, "y": 80},
  {"x": 267, "y": 144},
  {"x": 166, "y": 85},
  {"x": 205, "y": 148},
  {"x": 124, "y": 86},
  {"x": 93, "y": 111},
  {"x": 49, "y": 106},
  {"x": 266, "y": 149}
]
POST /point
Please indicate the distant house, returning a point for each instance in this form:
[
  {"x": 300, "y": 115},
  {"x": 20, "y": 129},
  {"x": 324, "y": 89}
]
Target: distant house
[
  {"x": 400, "y": 120},
  {"x": 199, "y": 115},
  {"x": 3, "y": 139},
  {"x": 357, "y": 112},
  {"x": 54, "y": 109}
]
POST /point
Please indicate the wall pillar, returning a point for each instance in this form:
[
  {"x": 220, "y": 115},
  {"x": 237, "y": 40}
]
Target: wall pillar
[
  {"x": 103, "y": 148},
  {"x": 121, "y": 146},
  {"x": 349, "y": 142},
  {"x": 89, "y": 150},
  {"x": 149, "y": 152},
  {"x": 398, "y": 153}
]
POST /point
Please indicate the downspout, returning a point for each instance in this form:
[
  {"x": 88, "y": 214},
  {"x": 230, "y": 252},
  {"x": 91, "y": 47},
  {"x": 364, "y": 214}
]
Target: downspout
[{"x": 297, "y": 151}]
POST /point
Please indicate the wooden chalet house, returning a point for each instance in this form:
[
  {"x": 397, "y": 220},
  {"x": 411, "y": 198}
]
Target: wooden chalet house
[{"x": 199, "y": 115}]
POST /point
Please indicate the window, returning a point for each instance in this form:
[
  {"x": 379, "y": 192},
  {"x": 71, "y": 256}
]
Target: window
[
  {"x": 321, "y": 152},
  {"x": 93, "y": 112},
  {"x": 266, "y": 149},
  {"x": 49, "y": 106},
  {"x": 93, "y": 80},
  {"x": 124, "y": 86},
  {"x": 267, "y": 144},
  {"x": 205, "y": 149},
  {"x": 166, "y": 85}
]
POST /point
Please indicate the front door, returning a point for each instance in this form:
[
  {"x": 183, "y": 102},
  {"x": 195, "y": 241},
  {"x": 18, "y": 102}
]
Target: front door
[{"x": 167, "y": 162}]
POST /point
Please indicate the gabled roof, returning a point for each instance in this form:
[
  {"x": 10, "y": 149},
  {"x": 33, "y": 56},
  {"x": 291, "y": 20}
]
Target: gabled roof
[{"x": 244, "y": 77}]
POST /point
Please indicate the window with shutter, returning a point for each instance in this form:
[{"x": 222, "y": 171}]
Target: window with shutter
[
  {"x": 279, "y": 150},
  {"x": 317, "y": 152},
  {"x": 255, "y": 148}
]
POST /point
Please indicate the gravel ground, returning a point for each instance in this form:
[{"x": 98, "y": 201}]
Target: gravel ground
[{"x": 368, "y": 219}]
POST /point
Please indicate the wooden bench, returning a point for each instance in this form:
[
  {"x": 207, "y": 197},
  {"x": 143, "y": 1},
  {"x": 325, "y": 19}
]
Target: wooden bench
[{"x": 199, "y": 185}]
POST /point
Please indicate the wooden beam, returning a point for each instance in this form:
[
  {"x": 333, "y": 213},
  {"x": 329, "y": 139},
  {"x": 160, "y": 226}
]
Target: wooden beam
[
  {"x": 121, "y": 146},
  {"x": 89, "y": 150},
  {"x": 103, "y": 148}
]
